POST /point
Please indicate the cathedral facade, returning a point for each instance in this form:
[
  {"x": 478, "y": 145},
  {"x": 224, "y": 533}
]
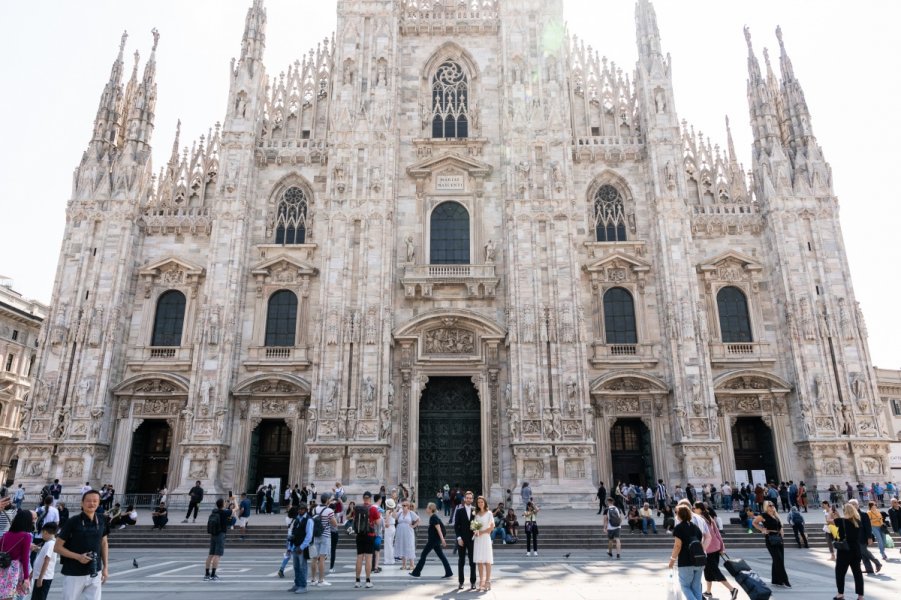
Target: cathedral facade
[{"x": 441, "y": 249}]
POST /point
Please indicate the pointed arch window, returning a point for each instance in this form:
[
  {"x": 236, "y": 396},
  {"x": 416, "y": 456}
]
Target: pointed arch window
[
  {"x": 169, "y": 320},
  {"x": 619, "y": 317},
  {"x": 449, "y": 234},
  {"x": 609, "y": 215},
  {"x": 281, "y": 318},
  {"x": 291, "y": 217},
  {"x": 735, "y": 324},
  {"x": 450, "y": 101}
]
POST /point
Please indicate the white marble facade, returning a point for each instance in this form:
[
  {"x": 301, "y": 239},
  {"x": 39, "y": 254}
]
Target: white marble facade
[{"x": 351, "y": 126}]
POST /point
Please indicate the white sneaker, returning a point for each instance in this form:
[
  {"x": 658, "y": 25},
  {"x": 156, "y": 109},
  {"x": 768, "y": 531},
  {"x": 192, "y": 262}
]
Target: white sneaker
[
  {"x": 369, "y": 584},
  {"x": 357, "y": 584},
  {"x": 528, "y": 554},
  {"x": 324, "y": 582},
  {"x": 536, "y": 553},
  {"x": 312, "y": 584}
]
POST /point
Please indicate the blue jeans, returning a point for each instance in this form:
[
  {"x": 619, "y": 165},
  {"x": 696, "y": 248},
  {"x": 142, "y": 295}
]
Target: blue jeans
[
  {"x": 727, "y": 502},
  {"x": 499, "y": 531},
  {"x": 644, "y": 525},
  {"x": 300, "y": 570},
  {"x": 690, "y": 582}
]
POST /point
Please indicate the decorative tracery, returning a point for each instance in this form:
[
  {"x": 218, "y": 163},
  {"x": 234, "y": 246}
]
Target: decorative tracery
[
  {"x": 609, "y": 215},
  {"x": 450, "y": 108},
  {"x": 291, "y": 217}
]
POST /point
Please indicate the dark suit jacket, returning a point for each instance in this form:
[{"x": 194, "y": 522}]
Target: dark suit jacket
[
  {"x": 866, "y": 527},
  {"x": 461, "y": 523}
]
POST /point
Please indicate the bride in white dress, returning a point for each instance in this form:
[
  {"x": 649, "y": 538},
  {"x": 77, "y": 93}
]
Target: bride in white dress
[{"x": 482, "y": 552}]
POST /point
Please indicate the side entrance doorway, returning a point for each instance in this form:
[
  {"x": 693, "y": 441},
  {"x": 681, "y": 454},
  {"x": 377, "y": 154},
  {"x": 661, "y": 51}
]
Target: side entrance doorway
[
  {"x": 631, "y": 452},
  {"x": 450, "y": 437},
  {"x": 270, "y": 456},
  {"x": 151, "y": 448},
  {"x": 752, "y": 442}
]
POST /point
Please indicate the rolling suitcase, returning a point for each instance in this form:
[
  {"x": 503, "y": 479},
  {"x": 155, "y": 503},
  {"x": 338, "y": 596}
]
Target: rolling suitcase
[
  {"x": 736, "y": 566},
  {"x": 753, "y": 585}
]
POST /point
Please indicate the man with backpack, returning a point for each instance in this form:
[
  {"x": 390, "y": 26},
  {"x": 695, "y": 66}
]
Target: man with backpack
[
  {"x": 216, "y": 526},
  {"x": 366, "y": 517},
  {"x": 613, "y": 521},
  {"x": 323, "y": 521},
  {"x": 302, "y": 530}
]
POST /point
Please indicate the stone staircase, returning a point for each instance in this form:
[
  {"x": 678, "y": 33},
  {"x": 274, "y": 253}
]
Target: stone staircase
[{"x": 552, "y": 537}]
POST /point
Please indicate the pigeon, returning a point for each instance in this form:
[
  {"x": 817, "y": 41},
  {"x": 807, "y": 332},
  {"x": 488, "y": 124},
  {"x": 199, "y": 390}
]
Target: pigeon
[
  {"x": 134, "y": 563},
  {"x": 567, "y": 555}
]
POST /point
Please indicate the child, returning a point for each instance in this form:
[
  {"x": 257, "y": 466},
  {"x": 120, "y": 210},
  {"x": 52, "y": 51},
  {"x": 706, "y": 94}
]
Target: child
[{"x": 45, "y": 563}]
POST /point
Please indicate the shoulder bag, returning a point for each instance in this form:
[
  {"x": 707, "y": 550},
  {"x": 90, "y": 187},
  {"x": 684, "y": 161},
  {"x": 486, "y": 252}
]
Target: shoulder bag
[{"x": 842, "y": 543}]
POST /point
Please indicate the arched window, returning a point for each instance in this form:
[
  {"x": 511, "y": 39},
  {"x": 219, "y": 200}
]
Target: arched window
[
  {"x": 449, "y": 235},
  {"x": 450, "y": 102},
  {"x": 281, "y": 319},
  {"x": 170, "y": 319},
  {"x": 291, "y": 217},
  {"x": 619, "y": 317},
  {"x": 609, "y": 215},
  {"x": 735, "y": 324}
]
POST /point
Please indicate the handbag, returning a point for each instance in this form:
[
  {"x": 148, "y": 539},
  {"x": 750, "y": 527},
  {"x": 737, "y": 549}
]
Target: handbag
[
  {"x": 529, "y": 526},
  {"x": 889, "y": 542},
  {"x": 842, "y": 544}
]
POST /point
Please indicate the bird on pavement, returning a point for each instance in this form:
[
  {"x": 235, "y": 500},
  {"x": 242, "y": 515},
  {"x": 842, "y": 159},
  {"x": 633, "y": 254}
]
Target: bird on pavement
[
  {"x": 567, "y": 555},
  {"x": 134, "y": 563}
]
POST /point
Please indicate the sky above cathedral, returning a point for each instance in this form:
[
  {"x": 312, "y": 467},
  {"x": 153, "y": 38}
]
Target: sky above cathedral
[{"x": 57, "y": 57}]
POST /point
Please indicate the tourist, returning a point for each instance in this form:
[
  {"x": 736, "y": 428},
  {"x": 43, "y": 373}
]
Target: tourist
[
  {"x": 647, "y": 519},
  {"x": 388, "y": 557},
  {"x": 876, "y": 523},
  {"x": 848, "y": 543},
  {"x": 289, "y": 546},
  {"x": 269, "y": 499},
  {"x": 231, "y": 503},
  {"x": 365, "y": 520},
  {"x": 802, "y": 496},
  {"x": 684, "y": 534},
  {"x": 50, "y": 513},
  {"x": 511, "y": 525},
  {"x": 129, "y": 517},
  {"x": 380, "y": 533},
  {"x": 634, "y": 519},
  {"x": 336, "y": 505},
  {"x": 435, "y": 542},
  {"x": 16, "y": 543},
  {"x": 462, "y": 518},
  {"x": 216, "y": 527},
  {"x": 602, "y": 497},
  {"x": 160, "y": 516},
  {"x": 405, "y": 536},
  {"x": 243, "y": 515},
  {"x": 301, "y": 538},
  {"x": 500, "y": 523},
  {"x": 525, "y": 493},
  {"x": 866, "y": 530},
  {"x": 83, "y": 540},
  {"x": 44, "y": 563},
  {"x": 613, "y": 520},
  {"x": 483, "y": 553},
  {"x": 114, "y": 516},
  {"x": 660, "y": 495},
  {"x": 769, "y": 523},
  {"x": 669, "y": 517},
  {"x": 530, "y": 524},
  {"x": 446, "y": 500},
  {"x": 18, "y": 497},
  {"x": 86, "y": 487},
  {"x": 261, "y": 499},
  {"x": 349, "y": 517},
  {"x": 322, "y": 544},
  {"x": 829, "y": 516},
  {"x": 894, "y": 515},
  {"x": 163, "y": 494},
  {"x": 55, "y": 491},
  {"x": 714, "y": 548},
  {"x": 196, "y": 497},
  {"x": 797, "y": 523}
]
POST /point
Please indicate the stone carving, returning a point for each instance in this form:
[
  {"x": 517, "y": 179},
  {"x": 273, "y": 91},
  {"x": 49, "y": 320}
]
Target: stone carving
[
  {"x": 411, "y": 249},
  {"x": 697, "y": 400},
  {"x": 82, "y": 391},
  {"x": 844, "y": 321},
  {"x": 832, "y": 466},
  {"x": 490, "y": 251},
  {"x": 155, "y": 386},
  {"x": 660, "y": 101},
  {"x": 702, "y": 468},
  {"x": 372, "y": 325},
  {"x": 528, "y": 324},
  {"x": 312, "y": 421},
  {"x": 35, "y": 468},
  {"x": 531, "y": 397},
  {"x": 449, "y": 340},
  {"x": 533, "y": 469},
  {"x": 513, "y": 422},
  {"x": 188, "y": 420},
  {"x": 325, "y": 469},
  {"x": 807, "y": 324},
  {"x": 73, "y": 469},
  {"x": 368, "y": 396},
  {"x": 96, "y": 422},
  {"x": 626, "y": 406},
  {"x": 197, "y": 469},
  {"x": 627, "y": 384},
  {"x": 574, "y": 468},
  {"x": 871, "y": 465},
  {"x": 331, "y": 328},
  {"x": 861, "y": 323},
  {"x": 385, "y": 428},
  {"x": 366, "y": 469},
  {"x": 858, "y": 385}
]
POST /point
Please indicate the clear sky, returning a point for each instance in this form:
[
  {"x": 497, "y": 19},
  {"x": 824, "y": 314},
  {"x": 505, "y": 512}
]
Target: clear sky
[{"x": 57, "y": 56}]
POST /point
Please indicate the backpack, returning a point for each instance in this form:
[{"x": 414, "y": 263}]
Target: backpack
[
  {"x": 214, "y": 523},
  {"x": 361, "y": 520},
  {"x": 772, "y": 494},
  {"x": 613, "y": 517},
  {"x": 299, "y": 530},
  {"x": 318, "y": 529},
  {"x": 696, "y": 550}
]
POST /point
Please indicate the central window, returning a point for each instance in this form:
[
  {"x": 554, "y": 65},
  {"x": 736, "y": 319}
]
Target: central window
[
  {"x": 281, "y": 319},
  {"x": 291, "y": 217},
  {"x": 449, "y": 235},
  {"x": 609, "y": 215},
  {"x": 449, "y": 101}
]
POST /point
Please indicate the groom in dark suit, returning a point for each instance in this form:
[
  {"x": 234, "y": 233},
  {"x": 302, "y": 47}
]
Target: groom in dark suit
[{"x": 462, "y": 518}]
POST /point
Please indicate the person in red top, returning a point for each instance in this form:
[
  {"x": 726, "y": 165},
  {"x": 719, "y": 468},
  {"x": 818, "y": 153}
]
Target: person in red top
[
  {"x": 365, "y": 536},
  {"x": 17, "y": 542}
]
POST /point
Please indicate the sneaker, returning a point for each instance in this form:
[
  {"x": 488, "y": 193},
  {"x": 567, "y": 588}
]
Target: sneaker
[
  {"x": 215, "y": 578},
  {"x": 528, "y": 554},
  {"x": 536, "y": 553},
  {"x": 301, "y": 591},
  {"x": 734, "y": 593},
  {"x": 411, "y": 574},
  {"x": 332, "y": 570},
  {"x": 194, "y": 521},
  {"x": 369, "y": 585},
  {"x": 281, "y": 574},
  {"x": 357, "y": 584},
  {"x": 312, "y": 583},
  {"x": 185, "y": 521},
  {"x": 121, "y": 526},
  {"x": 324, "y": 582},
  {"x": 293, "y": 588},
  {"x": 206, "y": 577}
]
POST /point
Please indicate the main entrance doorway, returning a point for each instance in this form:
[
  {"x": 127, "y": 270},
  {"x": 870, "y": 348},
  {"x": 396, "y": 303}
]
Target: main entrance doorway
[
  {"x": 752, "y": 442},
  {"x": 450, "y": 437},
  {"x": 148, "y": 467},
  {"x": 631, "y": 453},
  {"x": 270, "y": 454}
]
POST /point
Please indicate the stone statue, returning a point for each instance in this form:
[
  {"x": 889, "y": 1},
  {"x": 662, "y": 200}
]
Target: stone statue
[
  {"x": 368, "y": 389},
  {"x": 205, "y": 386},
  {"x": 385, "y": 431},
  {"x": 660, "y": 101},
  {"x": 411, "y": 249},
  {"x": 188, "y": 419},
  {"x": 331, "y": 395},
  {"x": 697, "y": 403},
  {"x": 490, "y": 250},
  {"x": 389, "y": 391},
  {"x": 213, "y": 334},
  {"x": 513, "y": 422},
  {"x": 96, "y": 422},
  {"x": 311, "y": 424},
  {"x": 531, "y": 405},
  {"x": 81, "y": 393},
  {"x": 508, "y": 395}
]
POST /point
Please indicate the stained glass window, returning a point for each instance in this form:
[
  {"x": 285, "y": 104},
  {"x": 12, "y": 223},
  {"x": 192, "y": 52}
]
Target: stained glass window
[
  {"x": 450, "y": 107},
  {"x": 170, "y": 319},
  {"x": 281, "y": 319},
  {"x": 291, "y": 217},
  {"x": 619, "y": 317},
  {"x": 609, "y": 215},
  {"x": 735, "y": 325}
]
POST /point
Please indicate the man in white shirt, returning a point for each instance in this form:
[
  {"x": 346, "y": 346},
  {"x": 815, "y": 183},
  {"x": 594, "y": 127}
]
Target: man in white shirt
[
  {"x": 51, "y": 513},
  {"x": 86, "y": 487},
  {"x": 726, "y": 490}
]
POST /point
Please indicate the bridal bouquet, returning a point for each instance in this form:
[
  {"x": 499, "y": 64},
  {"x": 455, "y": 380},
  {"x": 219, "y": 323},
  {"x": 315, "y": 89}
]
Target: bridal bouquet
[{"x": 475, "y": 525}]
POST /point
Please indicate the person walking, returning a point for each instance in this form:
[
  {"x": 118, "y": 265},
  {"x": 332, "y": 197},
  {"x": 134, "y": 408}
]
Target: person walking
[
  {"x": 196, "y": 497},
  {"x": 83, "y": 541},
  {"x": 289, "y": 547},
  {"x": 714, "y": 548},
  {"x": 16, "y": 543},
  {"x": 525, "y": 493},
  {"x": 365, "y": 522},
  {"x": 602, "y": 497},
  {"x": 301, "y": 538},
  {"x": 769, "y": 523},
  {"x": 405, "y": 536},
  {"x": 530, "y": 524},
  {"x": 462, "y": 518},
  {"x": 216, "y": 527},
  {"x": 322, "y": 543},
  {"x": 19, "y": 497},
  {"x": 44, "y": 563},
  {"x": 848, "y": 542},
  {"x": 866, "y": 529},
  {"x": 613, "y": 521},
  {"x": 661, "y": 495},
  {"x": 390, "y": 517},
  {"x": 877, "y": 523},
  {"x": 483, "y": 552},
  {"x": 243, "y": 515},
  {"x": 684, "y": 533},
  {"x": 797, "y": 522},
  {"x": 435, "y": 542}
]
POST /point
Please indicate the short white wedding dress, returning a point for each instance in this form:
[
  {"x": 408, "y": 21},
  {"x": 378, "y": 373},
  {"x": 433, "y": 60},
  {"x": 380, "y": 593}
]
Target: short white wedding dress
[{"x": 482, "y": 552}]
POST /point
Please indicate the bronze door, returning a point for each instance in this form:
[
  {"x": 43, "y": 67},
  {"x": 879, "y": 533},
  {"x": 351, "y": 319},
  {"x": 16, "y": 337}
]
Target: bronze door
[
  {"x": 450, "y": 437},
  {"x": 148, "y": 467}
]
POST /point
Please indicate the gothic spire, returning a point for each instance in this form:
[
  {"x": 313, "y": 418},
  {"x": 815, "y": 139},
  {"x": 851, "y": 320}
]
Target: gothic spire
[
  {"x": 761, "y": 101},
  {"x": 730, "y": 145},
  {"x": 793, "y": 98},
  {"x": 142, "y": 104},
  {"x": 254, "y": 40},
  {"x": 647, "y": 30},
  {"x": 107, "y": 119}
]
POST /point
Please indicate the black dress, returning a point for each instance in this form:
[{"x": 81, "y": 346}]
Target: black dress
[{"x": 776, "y": 547}]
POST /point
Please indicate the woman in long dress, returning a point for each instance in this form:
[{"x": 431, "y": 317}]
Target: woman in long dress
[
  {"x": 482, "y": 552},
  {"x": 405, "y": 537},
  {"x": 390, "y": 529}
]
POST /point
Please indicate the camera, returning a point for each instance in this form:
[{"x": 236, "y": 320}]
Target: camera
[{"x": 94, "y": 564}]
